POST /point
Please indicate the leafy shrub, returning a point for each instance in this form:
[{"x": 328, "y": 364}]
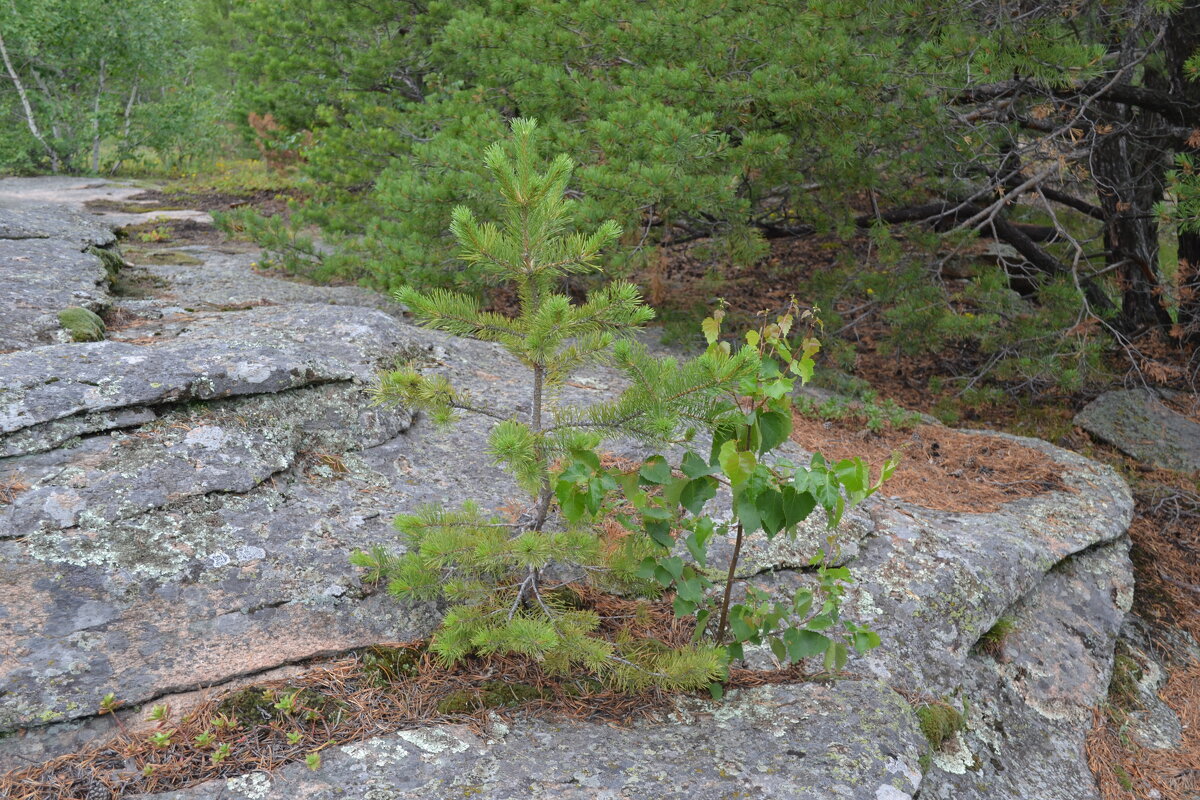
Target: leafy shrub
[{"x": 505, "y": 582}]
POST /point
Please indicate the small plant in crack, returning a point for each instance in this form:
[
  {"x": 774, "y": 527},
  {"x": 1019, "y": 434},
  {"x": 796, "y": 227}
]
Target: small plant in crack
[
  {"x": 224, "y": 722},
  {"x": 506, "y": 583},
  {"x": 993, "y": 639},
  {"x": 109, "y": 705},
  {"x": 159, "y": 713},
  {"x": 222, "y": 752},
  {"x": 289, "y": 703}
]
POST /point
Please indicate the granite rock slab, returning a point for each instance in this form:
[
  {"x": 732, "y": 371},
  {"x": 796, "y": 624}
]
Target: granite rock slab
[
  {"x": 851, "y": 740},
  {"x": 1140, "y": 425}
]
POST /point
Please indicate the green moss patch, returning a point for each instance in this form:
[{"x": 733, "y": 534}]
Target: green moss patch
[
  {"x": 83, "y": 325},
  {"x": 386, "y": 665},
  {"x": 993, "y": 639},
  {"x": 939, "y": 722},
  {"x": 492, "y": 694},
  {"x": 111, "y": 258},
  {"x": 165, "y": 257}
]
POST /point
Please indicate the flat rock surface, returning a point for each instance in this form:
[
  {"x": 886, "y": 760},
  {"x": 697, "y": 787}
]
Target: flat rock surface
[
  {"x": 1138, "y": 424},
  {"x": 849, "y": 739},
  {"x": 45, "y": 268},
  {"x": 186, "y": 494}
]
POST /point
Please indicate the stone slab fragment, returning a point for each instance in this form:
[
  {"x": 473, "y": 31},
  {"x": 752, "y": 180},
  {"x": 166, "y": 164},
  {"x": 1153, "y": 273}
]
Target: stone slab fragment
[
  {"x": 850, "y": 740},
  {"x": 1138, "y": 424}
]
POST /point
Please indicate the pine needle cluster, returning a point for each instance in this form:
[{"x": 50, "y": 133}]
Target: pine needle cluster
[{"x": 495, "y": 575}]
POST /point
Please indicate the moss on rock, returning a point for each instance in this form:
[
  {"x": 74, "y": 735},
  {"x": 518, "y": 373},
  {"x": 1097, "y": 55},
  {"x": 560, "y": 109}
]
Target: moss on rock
[
  {"x": 385, "y": 665},
  {"x": 492, "y": 694},
  {"x": 939, "y": 723},
  {"x": 83, "y": 325}
]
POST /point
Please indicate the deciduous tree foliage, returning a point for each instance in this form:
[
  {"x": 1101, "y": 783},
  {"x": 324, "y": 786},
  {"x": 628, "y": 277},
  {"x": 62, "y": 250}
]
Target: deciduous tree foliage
[{"x": 86, "y": 83}]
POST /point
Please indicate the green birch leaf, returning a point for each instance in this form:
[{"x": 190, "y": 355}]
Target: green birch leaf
[
  {"x": 865, "y": 640},
  {"x": 775, "y": 427},
  {"x": 660, "y": 532},
  {"x": 738, "y": 465},
  {"x": 695, "y": 467},
  {"x": 746, "y": 508},
  {"x": 698, "y": 492},
  {"x": 770, "y": 511},
  {"x": 655, "y": 470},
  {"x": 804, "y": 644},
  {"x": 835, "y": 657},
  {"x": 796, "y": 506}
]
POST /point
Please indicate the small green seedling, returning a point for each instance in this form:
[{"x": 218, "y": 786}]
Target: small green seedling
[
  {"x": 161, "y": 739},
  {"x": 221, "y": 753}
]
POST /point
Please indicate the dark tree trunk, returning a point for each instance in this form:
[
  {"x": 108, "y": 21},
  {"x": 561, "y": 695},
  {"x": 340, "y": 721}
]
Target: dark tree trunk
[{"x": 1129, "y": 173}]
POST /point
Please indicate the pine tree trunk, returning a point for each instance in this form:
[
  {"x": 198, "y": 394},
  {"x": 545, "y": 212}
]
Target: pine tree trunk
[{"x": 1129, "y": 174}]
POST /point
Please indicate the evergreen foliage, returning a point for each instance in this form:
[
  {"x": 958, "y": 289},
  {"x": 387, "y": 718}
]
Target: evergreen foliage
[
  {"x": 731, "y": 120},
  {"x": 509, "y": 584}
]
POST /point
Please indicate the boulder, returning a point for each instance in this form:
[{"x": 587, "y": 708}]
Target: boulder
[
  {"x": 808, "y": 741},
  {"x": 187, "y": 491},
  {"x": 1137, "y": 423}
]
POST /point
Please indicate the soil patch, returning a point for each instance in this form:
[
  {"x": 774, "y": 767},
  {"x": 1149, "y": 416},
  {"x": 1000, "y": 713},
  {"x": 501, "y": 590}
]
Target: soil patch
[
  {"x": 176, "y": 232},
  {"x": 940, "y": 468},
  {"x": 266, "y": 202}
]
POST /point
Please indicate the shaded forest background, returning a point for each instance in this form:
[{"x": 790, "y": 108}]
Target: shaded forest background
[{"x": 989, "y": 201}]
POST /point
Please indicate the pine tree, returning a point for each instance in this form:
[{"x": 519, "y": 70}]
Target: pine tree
[{"x": 494, "y": 573}]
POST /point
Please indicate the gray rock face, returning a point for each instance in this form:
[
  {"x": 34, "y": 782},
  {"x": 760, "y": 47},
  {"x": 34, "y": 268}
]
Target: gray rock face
[
  {"x": 1137, "y": 423},
  {"x": 258, "y": 351},
  {"x": 23, "y": 221},
  {"x": 228, "y": 279},
  {"x": 192, "y": 486},
  {"x": 45, "y": 269},
  {"x": 849, "y": 739}
]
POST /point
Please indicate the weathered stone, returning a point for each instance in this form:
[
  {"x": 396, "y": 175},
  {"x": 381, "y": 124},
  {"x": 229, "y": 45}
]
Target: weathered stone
[
  {"x": 52, "y": 221},
  {"x": 1030, "y": 708},
  {"x": 41, "y": 278},
  {"x": 255, "y": 351},
  {"x": 1137, "y": 423},
  {"x": 230, "y": 279},
  {"x": 195, "y": 483},
  {"x": 851, "y": 740}
]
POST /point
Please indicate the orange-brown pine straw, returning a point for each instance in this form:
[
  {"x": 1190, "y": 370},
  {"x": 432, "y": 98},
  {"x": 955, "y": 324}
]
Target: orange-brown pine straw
[
  {"x": 350, "y": 701},
  {"x": 1166, "y": 556},
  {"x": 940, "y": 468},
  {"x": 1125, "y": 769}
]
